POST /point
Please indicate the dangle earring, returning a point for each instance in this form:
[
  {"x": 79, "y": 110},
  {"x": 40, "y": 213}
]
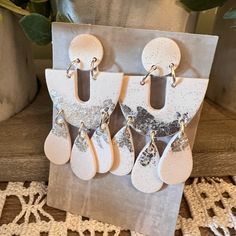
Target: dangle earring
[
  {"x": 123, "y": 150},
  {"x": 144, "y": 175},
  {"x": 183, "y": 95},
  {"x": 176, "y": 162},
  {"x": 83, "y": 159},
  {"x": 85, "y": 53},
  {"x": 102, "y": 144},
  {"x": 57, "y": 146}
]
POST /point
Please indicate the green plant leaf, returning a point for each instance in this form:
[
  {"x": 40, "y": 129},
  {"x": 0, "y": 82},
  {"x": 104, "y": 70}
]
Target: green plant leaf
[
  {"x": 230, "y": 14},
  {"x": 37, "y": 28},
  {"x": 40, "y": 6},
  {"x": 201, "y": 5},
  {"x": 12, "y": 7}
]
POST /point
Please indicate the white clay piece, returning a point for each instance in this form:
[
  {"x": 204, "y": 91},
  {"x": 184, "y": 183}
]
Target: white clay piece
[
  {"x": 161, "y": 52},
  {"x": 186, "y": 97},
  {"x": 85, "y": 47},
  {"x": 176, "y": 163},
  {"x": 57, "y": 146},
  {"x": 83, "y": 160},
  {"x": 123, "y": 152},
  {"x": 144, "y": 175},
  {"x": 102, "y": 145},
  {"x": 104, "y": 95}
]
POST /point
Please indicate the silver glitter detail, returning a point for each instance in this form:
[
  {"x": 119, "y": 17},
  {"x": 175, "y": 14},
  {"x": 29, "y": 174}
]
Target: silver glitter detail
[
  {"x": 101, "y": 134},
  {"x": 124, "y": 140},
  {"x": 143, "y": 122},
  {"x": 60, "y": 129},
  {"x": 183, "y": 117},
  {"x": 81, "y": 143},
  {"x": 76, "y": 112},
  {"x": 180, "y": 143},
  {"x": 147, "y": 155}
]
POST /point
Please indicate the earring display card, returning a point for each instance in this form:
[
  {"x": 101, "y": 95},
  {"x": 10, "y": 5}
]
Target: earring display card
[{"x": 107, "y": 197}]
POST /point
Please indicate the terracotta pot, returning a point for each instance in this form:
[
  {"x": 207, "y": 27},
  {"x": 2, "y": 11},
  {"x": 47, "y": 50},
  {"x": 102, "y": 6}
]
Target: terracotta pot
[
  {"x": 18, "y": 84},
  {"x": 222, "y": 85}
]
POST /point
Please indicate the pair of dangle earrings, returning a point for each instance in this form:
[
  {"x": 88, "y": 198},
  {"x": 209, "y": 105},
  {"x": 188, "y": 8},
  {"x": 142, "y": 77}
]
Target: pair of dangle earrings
[
  {"x": 91, "y": 156},
  {"x": 117, "y": 155}
]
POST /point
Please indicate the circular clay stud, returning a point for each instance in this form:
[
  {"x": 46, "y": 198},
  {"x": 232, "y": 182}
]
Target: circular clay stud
[
  {"x": 86, "y": 47},
  {"x": 161, "y": 52}
]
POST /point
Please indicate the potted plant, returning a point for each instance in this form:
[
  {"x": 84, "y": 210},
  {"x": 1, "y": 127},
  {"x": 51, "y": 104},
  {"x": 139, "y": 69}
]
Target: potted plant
[
  {"x": 18, "y": 84},
  {"x": 21, "y": 21}
]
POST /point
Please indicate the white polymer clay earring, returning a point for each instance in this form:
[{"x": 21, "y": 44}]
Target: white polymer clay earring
[
  {"x": 83, "y": 159},
  {"x": 183, "y": 95},
  {"x": 176, "y": 162},
  {"x": 57, "y": 146},
  {"x": 85, "y": 53},
  {"x": 102, "y": 144},
  {"x": 123, "y": 150},
  {"x": 144, "y": 175}
]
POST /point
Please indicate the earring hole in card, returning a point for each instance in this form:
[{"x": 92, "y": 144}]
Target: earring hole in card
[
  {"x": 83, "y": 88},
  {"x": 157, "y": 92}
]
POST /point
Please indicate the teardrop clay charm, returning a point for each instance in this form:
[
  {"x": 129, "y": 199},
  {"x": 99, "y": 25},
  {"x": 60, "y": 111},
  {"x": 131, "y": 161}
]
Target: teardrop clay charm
[
  {"x": 144, "y": 175},
  {"x": 57, "y": 146},
  {"x": 83, "y": 160},
  {"x": 176, "y": 162},
  {"x": 123, "y": 152},
  {"x": 102, "y": 145}
]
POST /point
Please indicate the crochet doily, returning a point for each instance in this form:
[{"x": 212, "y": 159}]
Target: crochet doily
[{"x": 211, "y": 203}]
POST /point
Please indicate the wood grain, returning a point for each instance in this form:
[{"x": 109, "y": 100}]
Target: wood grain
[{"x": 22, "y": 138}]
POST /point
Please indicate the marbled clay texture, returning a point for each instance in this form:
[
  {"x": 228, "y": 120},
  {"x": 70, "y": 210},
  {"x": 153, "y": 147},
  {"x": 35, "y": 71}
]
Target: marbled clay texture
[
  {"x": 144, "y": 122},
  {"x": 75, "y": 112}
]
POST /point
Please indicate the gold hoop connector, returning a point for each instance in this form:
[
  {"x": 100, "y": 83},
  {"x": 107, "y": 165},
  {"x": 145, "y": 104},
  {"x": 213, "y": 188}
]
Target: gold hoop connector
[
  {"x": 94, "y": 69},
  {"x": 130, "y": 119},
  {"x": 153, "y": 68},
  {"x": 172, "y": 67},
  {"x": 153, "y": 135},
  {"x": 182, "y": 127},
  {"x": 105, "y": 119},
  {"x": 73, "y": 63},
  {"x": 59, "y": 120},
  {"x": 81, "y": 126}
]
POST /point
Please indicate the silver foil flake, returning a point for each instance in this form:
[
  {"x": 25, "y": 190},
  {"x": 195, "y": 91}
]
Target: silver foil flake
[
  {"x": 81, "y": 143},
  {"x": 147, "y": 155},
  {"x": 99, "y": 135},
  {"x": 76, "y": 112},
  {"x": 144, "y": 122},
  {"x": 60, "y": 129},
  {"x": 180, "y": 143},
  {"x": 57, "y": 100},
  {"x": 125, "y": 140}
]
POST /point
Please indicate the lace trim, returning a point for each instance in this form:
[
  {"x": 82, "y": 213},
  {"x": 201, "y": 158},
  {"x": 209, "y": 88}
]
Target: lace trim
[{"x": 211, "y": 202}]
